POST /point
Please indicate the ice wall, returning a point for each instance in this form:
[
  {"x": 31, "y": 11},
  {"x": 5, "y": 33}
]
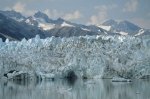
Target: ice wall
[{"x": 89, "y": 56}]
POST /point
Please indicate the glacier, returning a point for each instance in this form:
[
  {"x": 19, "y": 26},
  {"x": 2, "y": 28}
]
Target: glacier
[{"x": 87, "y": 56}]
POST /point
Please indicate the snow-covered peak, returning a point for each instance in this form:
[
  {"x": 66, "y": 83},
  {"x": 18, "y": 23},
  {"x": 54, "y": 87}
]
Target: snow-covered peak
[
  {"x": 120, "y": 24},
  {"x": 42, "y": 16},
  {"x": 60, "y": 20},
  {"x": 121, "y": 27},
  {"x": 110, "y": 22}
]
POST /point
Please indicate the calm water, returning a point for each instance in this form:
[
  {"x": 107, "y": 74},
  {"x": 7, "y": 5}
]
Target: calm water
[{"x": 89, "y": 89}]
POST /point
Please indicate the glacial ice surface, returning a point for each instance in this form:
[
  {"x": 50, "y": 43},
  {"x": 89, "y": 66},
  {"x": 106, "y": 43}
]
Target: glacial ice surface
[{"x": 88, "y": 56}]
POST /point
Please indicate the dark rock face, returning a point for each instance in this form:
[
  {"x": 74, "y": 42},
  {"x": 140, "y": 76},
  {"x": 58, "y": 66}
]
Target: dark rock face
[
  {"x": 71, "y": 77},
  {"x": 5, "y": 75},
  {"x": 11, "y": 71},
  {"x": 84, "y": 77},
  {"x": 22, "y": 79},
  {"x": 145, "y": 77},
  {"x": 22, "y": 76}
]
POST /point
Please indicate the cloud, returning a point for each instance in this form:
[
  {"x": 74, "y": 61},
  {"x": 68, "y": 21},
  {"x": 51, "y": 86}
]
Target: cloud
[
  {"x": 131, "y": 6},
  {"x": 22, "y": 8},
  {"x": 53, "y": 13},
  {"x": 144, "y": 23},
  {"x": 19, "y": 7},
  {"x": 148, "y": 14},
  {"x": 67, "y": 16},
  {"x": 73, "y": 16},
  {"x": 102, "y": 14}
]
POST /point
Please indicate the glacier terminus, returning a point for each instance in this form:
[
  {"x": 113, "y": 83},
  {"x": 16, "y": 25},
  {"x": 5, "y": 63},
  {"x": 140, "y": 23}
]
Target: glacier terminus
[{"x": 100, "y": 56}]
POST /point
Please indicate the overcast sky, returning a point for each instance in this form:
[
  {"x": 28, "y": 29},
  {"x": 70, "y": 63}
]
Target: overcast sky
[{"x": 85, "y": 11}]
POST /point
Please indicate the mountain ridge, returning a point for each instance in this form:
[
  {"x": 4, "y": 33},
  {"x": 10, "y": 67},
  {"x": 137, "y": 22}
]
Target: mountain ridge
[{"x": 41, "y": 24}]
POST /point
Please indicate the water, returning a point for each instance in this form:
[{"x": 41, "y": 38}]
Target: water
[{"x": 80, "y": 89}]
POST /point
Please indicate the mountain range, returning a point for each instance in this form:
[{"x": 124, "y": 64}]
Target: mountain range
[{"x": 15, "y": 26}]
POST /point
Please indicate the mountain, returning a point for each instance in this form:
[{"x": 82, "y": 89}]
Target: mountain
[
  {"x": 110, "y": 23},
  {"x": 71, "y": 31},
  {"x": 12, "y": 27},
  {"x": 14, "y": 15},
  {"x": 15, "y": 26},
  {"x": 61, "y": 27},
  {"x": 123, "y": 28},
  {"x": 45, "y": 23},
  {"x": 17, "y": 30}
]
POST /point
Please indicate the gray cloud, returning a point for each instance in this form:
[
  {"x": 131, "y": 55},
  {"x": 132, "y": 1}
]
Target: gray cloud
[
  {"x": 102, "y": 14},
  {"x": 68, "y": 16},
  {"x": 131, "y": 6},
  {"x": 141, "y": 22}
]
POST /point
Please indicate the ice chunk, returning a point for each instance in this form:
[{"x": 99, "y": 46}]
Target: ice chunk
[{"x": 118, "y": 79}]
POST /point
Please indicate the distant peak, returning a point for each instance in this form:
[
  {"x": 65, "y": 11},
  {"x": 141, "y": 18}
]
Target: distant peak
[
  {"x": 40, "y": 14},
  {"x": 12, "y": 13},
  {"x": 125, "y": 22},
  {"x": 110, "y": 22},
  {"x": 60, "y": 19}
]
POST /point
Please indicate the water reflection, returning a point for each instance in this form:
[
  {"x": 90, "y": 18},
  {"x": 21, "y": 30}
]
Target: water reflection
[{"x": 87, "y": 89}]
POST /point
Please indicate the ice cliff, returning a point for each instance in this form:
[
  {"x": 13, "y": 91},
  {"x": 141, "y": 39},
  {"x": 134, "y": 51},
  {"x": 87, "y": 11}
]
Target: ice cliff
[{"x": 88, "y": 57}]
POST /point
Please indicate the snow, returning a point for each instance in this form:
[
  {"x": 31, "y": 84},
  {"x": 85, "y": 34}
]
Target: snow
[
  {"x": 88, "y": 56},
  {"x": 66, "y": 24},
  {"x": 107, "y": 28},
  {"x": 29, "y": 22},
  {"x": 141, "y": 31},
  {"x": 46, "y": 26},
  {"x": 85, "y": 29},
  {"x": 122, "y": 33}
]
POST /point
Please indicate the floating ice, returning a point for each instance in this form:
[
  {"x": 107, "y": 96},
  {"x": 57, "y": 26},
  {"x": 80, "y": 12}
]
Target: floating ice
[{"x": 117, "y": 79}]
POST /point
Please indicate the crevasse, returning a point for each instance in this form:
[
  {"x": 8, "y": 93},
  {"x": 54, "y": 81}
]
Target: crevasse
[{"x": 88, "y": 56}]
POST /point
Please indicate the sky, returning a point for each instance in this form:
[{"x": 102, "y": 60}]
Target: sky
[{"x": 85, "y": 11}]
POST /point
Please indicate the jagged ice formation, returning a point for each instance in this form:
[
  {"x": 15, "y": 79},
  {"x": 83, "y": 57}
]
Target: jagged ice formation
[{"x": 88, "y": 56}]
